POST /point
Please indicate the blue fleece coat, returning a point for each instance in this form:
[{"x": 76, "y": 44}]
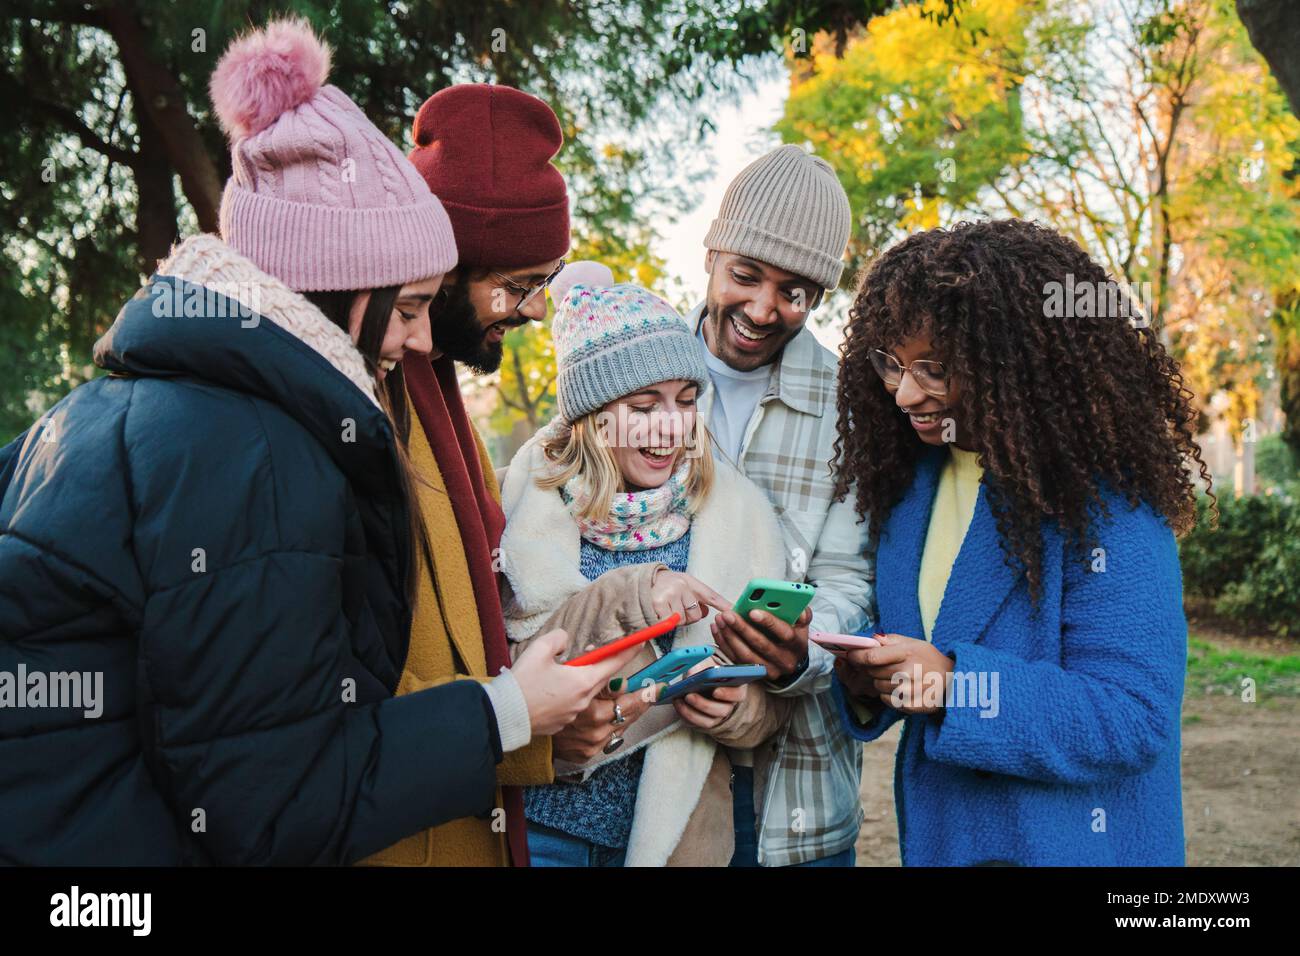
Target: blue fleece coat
[{"x": 1078, "y": 763}]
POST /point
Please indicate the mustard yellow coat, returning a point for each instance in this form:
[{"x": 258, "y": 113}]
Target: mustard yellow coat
[{"x": 446, "y": 645}]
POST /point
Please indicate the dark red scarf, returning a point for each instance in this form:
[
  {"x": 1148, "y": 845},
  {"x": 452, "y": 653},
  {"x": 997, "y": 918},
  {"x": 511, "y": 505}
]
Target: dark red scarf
[{"x": 435, "y": 396}]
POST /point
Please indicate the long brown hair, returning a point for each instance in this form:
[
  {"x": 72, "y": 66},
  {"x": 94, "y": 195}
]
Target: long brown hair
[{"x": 337, "y": 307}]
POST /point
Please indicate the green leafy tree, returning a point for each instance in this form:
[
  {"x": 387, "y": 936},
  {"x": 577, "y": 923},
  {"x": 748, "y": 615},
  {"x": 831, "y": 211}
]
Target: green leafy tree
[
  {"x": 115, "y": 153},
  {"x": 1146, "y": 129},
  {"x": 918, "y": 115}
]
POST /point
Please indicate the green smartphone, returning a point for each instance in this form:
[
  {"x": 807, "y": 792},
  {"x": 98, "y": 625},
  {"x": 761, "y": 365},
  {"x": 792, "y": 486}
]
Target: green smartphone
[{"x": 782, "y": 599}]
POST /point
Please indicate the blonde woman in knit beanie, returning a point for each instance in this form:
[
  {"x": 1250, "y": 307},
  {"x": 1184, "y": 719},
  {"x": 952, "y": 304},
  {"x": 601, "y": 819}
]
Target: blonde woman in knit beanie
[
  {"x": 217, "y": 535},
  {"x": 616, "y": 517}
]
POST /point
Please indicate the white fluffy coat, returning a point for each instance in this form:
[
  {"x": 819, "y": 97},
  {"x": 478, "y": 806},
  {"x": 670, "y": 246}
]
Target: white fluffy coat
[{"x": 734, "y": 537}]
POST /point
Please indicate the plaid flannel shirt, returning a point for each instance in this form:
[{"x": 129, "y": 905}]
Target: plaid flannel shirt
[{"x": 809, "y": 804}]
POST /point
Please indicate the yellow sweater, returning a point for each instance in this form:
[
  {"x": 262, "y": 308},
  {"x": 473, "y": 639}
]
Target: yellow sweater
[
  {"x": 950, "y": 516},
  {"x": 446, "y": 645}
]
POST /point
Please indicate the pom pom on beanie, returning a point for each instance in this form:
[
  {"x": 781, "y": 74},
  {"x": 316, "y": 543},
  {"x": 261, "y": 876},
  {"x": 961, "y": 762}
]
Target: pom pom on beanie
[
  {"x": 267, "y": 73},
  {"x": 584, "y": 271},
  {"x": 318, "y": 197}
]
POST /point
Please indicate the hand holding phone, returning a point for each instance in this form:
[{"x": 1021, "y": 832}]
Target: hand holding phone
[
  {"x": 707, "y": 709},
  {"x": 554, "y": 694},
  {"x": 784, "y": 600},
  {"x": 669, "y": 667},
  {"x": 592, "y": 730},
  {"x": 841, "y": 644},
  {"x": 778, "y": 639}
]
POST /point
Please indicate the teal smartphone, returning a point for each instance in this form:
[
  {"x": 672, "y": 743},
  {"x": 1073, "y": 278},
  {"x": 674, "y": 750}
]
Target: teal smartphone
[
  {"x": 672, "y": 665},
  {"x": 784, "y": 600}
]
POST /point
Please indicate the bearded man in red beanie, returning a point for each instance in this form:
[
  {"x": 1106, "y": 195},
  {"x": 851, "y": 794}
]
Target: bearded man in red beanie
[{"x": 486, "y": 152}]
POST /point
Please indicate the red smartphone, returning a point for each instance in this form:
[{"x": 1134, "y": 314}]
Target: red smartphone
[
  {"x": 623, "y": 643},
  {"x": 841, "y": 643}
]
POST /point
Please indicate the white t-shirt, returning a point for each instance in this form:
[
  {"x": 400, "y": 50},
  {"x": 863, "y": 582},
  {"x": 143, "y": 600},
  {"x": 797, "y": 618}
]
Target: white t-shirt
[{"x": 735, "y": 397}]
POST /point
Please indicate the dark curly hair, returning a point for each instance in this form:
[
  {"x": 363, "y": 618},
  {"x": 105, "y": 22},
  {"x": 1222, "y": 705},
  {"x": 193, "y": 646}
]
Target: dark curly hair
[{"x": 1058, "y": 407}]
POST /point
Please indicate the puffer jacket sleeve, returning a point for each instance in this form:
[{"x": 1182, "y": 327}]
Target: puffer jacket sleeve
[
  {"x": 269, "y": 736},
  {"x": 528, "y": 766}
]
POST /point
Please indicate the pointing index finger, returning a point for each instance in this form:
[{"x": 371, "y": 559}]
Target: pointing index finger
[
  {"x": 713, "y": 599},
  {"x": 885, "y": 654}
]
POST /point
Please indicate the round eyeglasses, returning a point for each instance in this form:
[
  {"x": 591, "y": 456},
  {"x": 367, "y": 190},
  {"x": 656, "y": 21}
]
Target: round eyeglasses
[
  {"x": 526, "y": 293},
  {"x": 930, "y": 377}
]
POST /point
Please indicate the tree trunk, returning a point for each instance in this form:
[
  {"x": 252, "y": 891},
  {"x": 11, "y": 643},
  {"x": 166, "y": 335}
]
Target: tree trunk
[
  {"x": 1286, "y": 330},
  {"x": 1274, "y": 30},
  {"x": 155, "y": 214},
  {"x": 159, "y": 96}
]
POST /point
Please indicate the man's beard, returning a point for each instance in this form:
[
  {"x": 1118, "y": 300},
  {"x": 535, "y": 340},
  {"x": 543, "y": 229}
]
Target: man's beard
[
  {"x": 457, "y": 332},
  {"x": 718, "y": 320}
]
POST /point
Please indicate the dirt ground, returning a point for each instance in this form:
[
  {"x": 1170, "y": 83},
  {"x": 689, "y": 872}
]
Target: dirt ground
[{"x": 1241, "y": 784}]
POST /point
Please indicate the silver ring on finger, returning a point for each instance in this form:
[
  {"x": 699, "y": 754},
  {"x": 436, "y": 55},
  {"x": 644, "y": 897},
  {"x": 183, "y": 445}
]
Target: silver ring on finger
[
  {"x": 618, "y": 716},
  {"x": 615, "y": 741},
  {"x": 692, "y": 604}
]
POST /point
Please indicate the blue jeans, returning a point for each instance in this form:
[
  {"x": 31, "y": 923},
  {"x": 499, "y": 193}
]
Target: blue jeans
[
  {"x": 742, "y": 815},
  {"x": 550, "y": 847}
]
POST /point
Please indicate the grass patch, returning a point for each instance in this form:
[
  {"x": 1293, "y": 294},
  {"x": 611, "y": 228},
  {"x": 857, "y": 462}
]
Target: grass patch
[{"x": 1211, "y": 670}]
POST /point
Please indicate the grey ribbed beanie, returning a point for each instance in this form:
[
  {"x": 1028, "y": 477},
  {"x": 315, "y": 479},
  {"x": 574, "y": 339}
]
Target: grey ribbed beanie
[{"x": 789, "y": 210}]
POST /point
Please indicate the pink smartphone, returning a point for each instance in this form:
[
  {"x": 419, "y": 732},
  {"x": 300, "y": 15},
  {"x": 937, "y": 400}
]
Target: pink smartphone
[{"x": 841, "y": 643}]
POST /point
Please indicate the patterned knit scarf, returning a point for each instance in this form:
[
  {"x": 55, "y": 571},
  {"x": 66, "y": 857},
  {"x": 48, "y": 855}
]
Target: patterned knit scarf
[{"x": 637, "y": 520}]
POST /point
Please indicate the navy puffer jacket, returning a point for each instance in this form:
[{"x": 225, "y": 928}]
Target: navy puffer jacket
[{"x": 216, "y": 529}]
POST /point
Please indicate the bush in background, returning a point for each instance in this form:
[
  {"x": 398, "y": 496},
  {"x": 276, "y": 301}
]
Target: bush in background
[
  {"x": 1249, "y": 567},
  {"x": 1276, "y": 464}
]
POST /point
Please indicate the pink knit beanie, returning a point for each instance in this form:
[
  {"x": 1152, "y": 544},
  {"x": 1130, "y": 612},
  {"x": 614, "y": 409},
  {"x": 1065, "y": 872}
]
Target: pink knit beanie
[{"x": 318, "y": 197}]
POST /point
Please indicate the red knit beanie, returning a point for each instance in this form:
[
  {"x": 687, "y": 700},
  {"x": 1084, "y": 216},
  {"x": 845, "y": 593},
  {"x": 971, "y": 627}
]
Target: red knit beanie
[{"x": 486, "y": 152}]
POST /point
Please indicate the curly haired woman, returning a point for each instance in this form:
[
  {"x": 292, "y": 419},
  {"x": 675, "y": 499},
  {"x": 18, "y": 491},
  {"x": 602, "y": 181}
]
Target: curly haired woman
[{"x": 1026, "y": 472}]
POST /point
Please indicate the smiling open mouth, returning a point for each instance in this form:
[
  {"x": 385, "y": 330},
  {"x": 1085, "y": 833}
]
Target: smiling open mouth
[
  {"x": 658, "y": 457},
  {"x": 748, "y": 334},
  {"x": 497, "y": 330}
]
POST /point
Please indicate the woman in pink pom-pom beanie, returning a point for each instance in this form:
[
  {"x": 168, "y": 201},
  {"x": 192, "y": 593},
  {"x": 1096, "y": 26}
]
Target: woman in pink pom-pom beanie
[{"x": 217, "y": 536}]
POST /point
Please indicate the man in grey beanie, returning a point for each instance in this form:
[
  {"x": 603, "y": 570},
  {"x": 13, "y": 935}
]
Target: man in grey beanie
[{"x": 775, "y": 248}]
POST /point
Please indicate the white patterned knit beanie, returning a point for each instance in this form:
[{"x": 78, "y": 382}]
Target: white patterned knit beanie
[{"x": 613, "y": 340}]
